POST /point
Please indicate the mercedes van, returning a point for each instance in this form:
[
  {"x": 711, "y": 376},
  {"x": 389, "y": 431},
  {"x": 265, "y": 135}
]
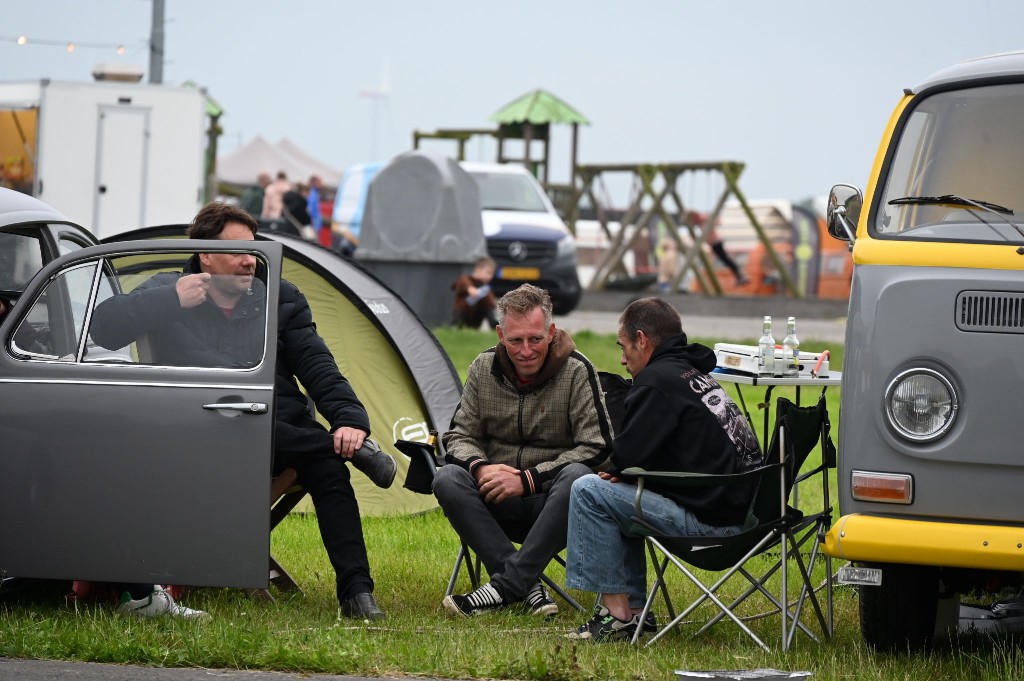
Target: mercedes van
[
  {"x": 931, "y": 460},
  {"x": 525, "y": 235}
]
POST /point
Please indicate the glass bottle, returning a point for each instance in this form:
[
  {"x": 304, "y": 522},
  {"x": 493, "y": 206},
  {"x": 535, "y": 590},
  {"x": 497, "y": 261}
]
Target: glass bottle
[
  {"x": 791, "y": 350},
  {"x": 766, "y": 350}
]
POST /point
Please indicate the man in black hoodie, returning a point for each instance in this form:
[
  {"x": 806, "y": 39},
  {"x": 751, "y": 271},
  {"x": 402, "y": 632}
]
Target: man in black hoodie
[{"x": 677, "y": 418}]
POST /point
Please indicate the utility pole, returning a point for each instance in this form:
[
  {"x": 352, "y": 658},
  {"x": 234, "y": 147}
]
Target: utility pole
[{"x": 156, "y": 44}]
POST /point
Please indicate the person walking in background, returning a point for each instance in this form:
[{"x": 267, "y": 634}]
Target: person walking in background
[
  {"x": 474, "y": 300},
  {"x": 313, "y": 204},
  {"x": 296, "y": 213},
  {"x": 718, "y": 246},
  {"x": 252, "y": 198},
  {"x": 273, "y": 197}
]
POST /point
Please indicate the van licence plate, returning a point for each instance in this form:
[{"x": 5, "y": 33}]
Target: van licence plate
[{"x": 527, "y": 273}]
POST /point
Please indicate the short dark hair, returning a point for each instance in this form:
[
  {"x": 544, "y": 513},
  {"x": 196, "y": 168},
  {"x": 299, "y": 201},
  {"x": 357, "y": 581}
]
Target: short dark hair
[
  {"x": 212, "y": 218},
  {"x": 523, "y": 300},
  {"x": 654, "y": 316}
]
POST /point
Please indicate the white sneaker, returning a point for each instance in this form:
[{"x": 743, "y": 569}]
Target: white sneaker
[{"x": 157, "y": 604}]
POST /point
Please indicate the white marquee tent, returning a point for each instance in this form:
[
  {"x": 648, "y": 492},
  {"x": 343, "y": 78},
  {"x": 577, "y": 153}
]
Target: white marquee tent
[{"x": 243, "y": 165}]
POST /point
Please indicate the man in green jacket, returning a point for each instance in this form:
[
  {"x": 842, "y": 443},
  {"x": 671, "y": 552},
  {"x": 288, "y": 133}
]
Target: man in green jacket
[{"x": 531, "y": 421}]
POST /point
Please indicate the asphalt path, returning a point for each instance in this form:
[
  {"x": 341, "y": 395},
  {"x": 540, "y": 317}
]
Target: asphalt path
[{"x": 47, "y": 670}]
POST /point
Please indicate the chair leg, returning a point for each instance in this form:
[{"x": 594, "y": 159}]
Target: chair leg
[
  {"x": 472, "y": 569},
  {"x": 280, "y": 577},
  {"x": 559, "y": 590},
  {"x": 708, "y": 593},
  {"x": 263, "y": 595}
]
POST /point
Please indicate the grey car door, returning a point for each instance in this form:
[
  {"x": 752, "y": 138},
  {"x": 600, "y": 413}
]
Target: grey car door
[{"x": 117, "y": 464}]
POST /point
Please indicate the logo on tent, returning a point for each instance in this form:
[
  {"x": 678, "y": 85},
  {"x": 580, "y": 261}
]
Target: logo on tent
[{"x": 407, "y": 429}]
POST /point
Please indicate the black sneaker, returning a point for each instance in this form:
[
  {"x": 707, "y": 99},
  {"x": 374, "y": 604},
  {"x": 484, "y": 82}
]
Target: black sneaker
[
  {"x": 604, "y": 627},
  {"x": 540, "y": 602},
  {"x": 485, "y": 599},
  {"x": 378, "y": 466},
  {"x": 600, "y": 612}
]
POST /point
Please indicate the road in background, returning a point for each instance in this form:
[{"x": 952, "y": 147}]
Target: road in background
[
  {"x": 720, "y": 329},
  {"x": 726, "y": 319}
]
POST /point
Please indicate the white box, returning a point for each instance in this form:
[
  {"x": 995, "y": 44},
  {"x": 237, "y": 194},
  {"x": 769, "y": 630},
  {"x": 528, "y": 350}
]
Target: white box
[{"x": 743, "y": 358}]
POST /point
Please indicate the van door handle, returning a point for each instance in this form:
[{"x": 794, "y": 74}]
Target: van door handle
[{"x": 246, "y": 407}]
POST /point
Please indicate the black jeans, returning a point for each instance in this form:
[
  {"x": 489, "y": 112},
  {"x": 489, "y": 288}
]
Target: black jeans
[
  {"x": 309, "y": 449},
  {"x": 538, "y": 522}
]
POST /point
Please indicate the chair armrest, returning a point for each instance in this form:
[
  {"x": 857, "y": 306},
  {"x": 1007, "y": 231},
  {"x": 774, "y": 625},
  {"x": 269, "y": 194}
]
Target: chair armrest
[{"x": 685, "y": 479}]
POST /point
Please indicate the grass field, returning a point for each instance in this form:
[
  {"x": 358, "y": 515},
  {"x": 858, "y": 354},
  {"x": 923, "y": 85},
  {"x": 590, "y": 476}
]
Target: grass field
[{"x": 411, "y": 558}]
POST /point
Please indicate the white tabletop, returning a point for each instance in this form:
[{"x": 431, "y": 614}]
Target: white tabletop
[{"x": 804, "y": 380}]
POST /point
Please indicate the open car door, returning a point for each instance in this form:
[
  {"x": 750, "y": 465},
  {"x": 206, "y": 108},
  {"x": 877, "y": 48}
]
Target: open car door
[{"x": 117, "y": 464}]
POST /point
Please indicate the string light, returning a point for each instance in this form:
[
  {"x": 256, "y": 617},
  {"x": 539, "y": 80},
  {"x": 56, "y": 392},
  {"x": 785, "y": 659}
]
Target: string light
[{"x": 69, "y": 45}]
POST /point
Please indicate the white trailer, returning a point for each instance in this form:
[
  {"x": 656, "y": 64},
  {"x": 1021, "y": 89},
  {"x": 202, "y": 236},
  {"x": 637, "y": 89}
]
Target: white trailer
[{"x": 112, "y": 156}]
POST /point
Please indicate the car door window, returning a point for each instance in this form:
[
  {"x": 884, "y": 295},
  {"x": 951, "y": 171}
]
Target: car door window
[{"x": 130, "y": 307}]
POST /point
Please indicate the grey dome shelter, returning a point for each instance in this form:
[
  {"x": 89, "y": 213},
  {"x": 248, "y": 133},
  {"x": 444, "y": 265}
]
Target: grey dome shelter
[{"x": 422, "y": 230}]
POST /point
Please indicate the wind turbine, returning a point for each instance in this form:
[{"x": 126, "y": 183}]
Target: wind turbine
[{"x": 377, "y": 95}]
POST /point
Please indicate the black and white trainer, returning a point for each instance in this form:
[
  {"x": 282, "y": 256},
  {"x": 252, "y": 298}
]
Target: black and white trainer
[
  {"x": 484, "y": 599},
  {"x": 540, "y": 602}
]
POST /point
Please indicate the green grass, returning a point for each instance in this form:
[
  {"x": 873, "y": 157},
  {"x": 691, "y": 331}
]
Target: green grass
[{"x": 411, "y": 558}]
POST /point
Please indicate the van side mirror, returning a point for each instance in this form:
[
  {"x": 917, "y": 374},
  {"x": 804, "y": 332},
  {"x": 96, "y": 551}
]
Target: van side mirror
[{"x": 843, "y": 212}]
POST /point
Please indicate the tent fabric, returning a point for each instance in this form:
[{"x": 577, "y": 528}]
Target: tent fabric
[
  {"x": 538, "y": 107},
  {"x": 243, "y": 165},
  {"x": 396, "y": 366}
]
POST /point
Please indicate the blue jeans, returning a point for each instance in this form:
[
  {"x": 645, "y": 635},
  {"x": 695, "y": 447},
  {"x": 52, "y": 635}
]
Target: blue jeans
[{"x": 603, "y": 556}]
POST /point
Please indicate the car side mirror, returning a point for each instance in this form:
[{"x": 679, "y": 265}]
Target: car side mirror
[{"x": 843, "y": 212}]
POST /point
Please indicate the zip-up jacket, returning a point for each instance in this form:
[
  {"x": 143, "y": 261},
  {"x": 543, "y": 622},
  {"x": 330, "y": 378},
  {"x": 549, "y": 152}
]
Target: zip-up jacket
[{"x": 539, "y": 428}]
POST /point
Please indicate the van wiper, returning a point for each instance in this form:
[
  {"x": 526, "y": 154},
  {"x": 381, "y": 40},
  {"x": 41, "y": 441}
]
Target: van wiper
[
  {"x": 953, "y": 200},
  {"x": 957, "y": 200}
]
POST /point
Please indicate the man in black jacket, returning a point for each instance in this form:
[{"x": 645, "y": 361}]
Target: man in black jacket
[
  {"x": 677, "y": 418},
  {"x": 210, "y": 315}
]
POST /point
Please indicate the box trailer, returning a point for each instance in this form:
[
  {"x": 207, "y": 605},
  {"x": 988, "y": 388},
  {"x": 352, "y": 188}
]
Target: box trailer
[{"x": 111, "y": 155}]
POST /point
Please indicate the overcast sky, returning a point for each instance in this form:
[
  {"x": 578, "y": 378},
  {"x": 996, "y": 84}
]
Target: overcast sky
[{"x": 799, "y": 91}]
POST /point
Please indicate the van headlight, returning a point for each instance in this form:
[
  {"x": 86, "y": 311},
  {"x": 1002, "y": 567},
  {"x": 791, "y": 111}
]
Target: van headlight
[
  {"x": 566, "y": 247},
  {"x": 921, "y": 404}
]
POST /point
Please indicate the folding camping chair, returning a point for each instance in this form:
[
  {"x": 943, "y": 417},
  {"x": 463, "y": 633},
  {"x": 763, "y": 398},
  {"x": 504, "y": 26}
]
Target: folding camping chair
[
  {"x": 423, "y": 465},
  {"x": 770, "y": 523}
]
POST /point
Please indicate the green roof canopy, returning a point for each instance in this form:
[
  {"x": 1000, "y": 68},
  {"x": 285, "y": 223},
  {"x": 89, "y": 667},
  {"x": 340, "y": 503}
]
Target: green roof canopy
[{"x": 538, "y": 107}]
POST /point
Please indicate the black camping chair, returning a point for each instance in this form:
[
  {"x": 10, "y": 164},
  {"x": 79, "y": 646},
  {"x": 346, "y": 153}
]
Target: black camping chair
[
  {"x": 423, "y": 465},
  {"x": 770, "y": 523}
]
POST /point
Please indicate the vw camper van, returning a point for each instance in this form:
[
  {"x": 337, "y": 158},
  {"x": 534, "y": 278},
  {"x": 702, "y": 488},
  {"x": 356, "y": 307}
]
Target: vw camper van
[{"x": 931, "y": 471}]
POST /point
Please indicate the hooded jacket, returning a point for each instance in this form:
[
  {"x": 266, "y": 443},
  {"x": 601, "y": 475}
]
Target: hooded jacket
[
  {"x": 677, "y": 418},
  {"x": 539, "y": 428},
  {"x": 204, "y": 336}
]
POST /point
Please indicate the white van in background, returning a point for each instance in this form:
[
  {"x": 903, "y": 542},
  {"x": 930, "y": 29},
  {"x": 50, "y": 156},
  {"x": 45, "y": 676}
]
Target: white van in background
[{"x": 525, "y": 235}]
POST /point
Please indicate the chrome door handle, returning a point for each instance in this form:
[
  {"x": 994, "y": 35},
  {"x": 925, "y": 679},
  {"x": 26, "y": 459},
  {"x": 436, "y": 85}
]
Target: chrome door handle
[{"x": 247, "y": 407}]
